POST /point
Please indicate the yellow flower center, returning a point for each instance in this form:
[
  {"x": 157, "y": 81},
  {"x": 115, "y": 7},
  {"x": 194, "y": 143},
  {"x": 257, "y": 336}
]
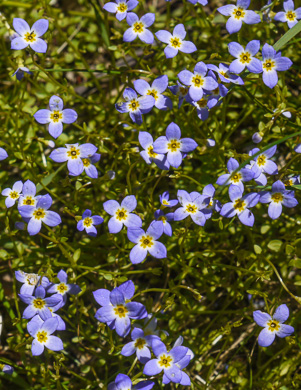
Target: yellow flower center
[
  {"x": 139, "y": 343},
  {"x": 86, "y": 162},
  {"x": 42, "y": 336},
  {"x": 134, "y": 105},
  {"x": 238, "y": 13},
  {"x": 29, "y": 201},
  {"x": 197, "y": 81},
  {"x": 122, "y": 7},
  {"x": 288, "y": 182},
  {"x": 30, "y": 37},
  {"x": 56, "y": 116},
  {"x": 38, "y": 303},
  {"x": 173, "y": 145},
  {"x": 62, "y": 288},
  {"x": 273, "y": 325},
  {"x": 153, "y": 93},
  {"x": 165, "y": 361},
  {"x": 138, "y": 27},
  {"x": 175, "y": 42},
  {"x": 120, "y": 311},
  {"x": 165, "y": 202},
  {"x": 239, "y": 205},
  {"x": 14, "y": 195},
  {"x": 191, "y": 208},
  {"x": 261, "y": 160},
  {"x": 39, "y": 213},
  {"x": 236, "y": 177},
  {"x": 151, "y": 152},
  {"x": 245, "y": 57},
  {"x": 121, "y": 214},
  {"x": 163, "y": 219},
  {"x": 202, "y": 103},
  {"x": 277, "y": 197},
  {"x": 87, "y": 222},
  {"x": 146, "y": 242},
  {"x": 291, "y": 16},
  {"x": 73, "y": 152},
  {"x": 268, "y": 65}
]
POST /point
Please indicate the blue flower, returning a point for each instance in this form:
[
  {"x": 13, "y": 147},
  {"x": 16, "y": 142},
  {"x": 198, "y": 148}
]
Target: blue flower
[
  {"x": 158, "y": 86},
  {"x": 291, "y": 15},
  {"x": 175, "y": 41},
  {"x": 136, "y": 106},
  {"x": 213, "y": 204},
  {"x": 19, "y": 73},
  {"x": 202, "y": 2},
  {"x": 140, "y": 345},
  {"x": 7, "y": 369},
  {"x": 272, "y": 325},
  {"x": 35, "y": 215},
  {"x": 122, "y": 214},
  {"x": 168, "y": 362},
  {"x": 277, "y": 197},
  {"x": 239, "y": 205},
  {"x": 3, "y": 154},
  {"x": 28, "y": 196},
  {"x": 56, "y": 116},
  {"x": 214, "y": 96},
  {"x": 238, "y": 13},
  {"x": 165, "y": 219},
  {"x": 235, "y": 177},
  {"x": 225, "y": 75},
  {"x": 193, "y": 204},
  {"x": 148, "y": 154},
  {"x": 174, "y": 145},
  {"x": 164, "y": 200},
  {"x": 88, "y": 221},
  {"x": 30, "y": 36},
  {"x": 197, "y": 81},
  {"x": 42, "y": 333},
  {"x": 138, "y": 28},
  {"x": 74, "y": 155},
  {"x": 262, "y": 164},
  {"x": 245, "y": 57},
  {"x": 12, "y": 194},
  {"x": 123, "y": 382},
  {"x": 60, "y": 290},
  {"x": 89, "y": 168},
  {"x": 121, "y": 7},
  {"x": 30, "y": 281},
  {"x": 181, "y": 91},
  {"x": 38, "y": 304},
  {"x": 146, "y": 242},
  {"x": 116, "y": 310},
  {"x": 273, "y": 62}
]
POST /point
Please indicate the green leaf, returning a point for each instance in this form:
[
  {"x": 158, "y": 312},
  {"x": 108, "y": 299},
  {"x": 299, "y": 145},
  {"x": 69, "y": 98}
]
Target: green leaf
[
  {"x": 275, "y": 245},
  {"x": 287, "y": 36}
]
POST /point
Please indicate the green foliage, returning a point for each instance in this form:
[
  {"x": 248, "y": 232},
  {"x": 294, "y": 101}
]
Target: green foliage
[{"x": 200, "y": 291}]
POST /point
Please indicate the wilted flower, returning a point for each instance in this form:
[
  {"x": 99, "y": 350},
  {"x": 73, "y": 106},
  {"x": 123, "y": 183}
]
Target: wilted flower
[{"x": 30, "y": 281}]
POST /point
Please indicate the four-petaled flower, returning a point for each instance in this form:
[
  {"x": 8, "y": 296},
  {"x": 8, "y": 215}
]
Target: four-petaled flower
[
  {"x": 262, "y": 164},
  {"x": 63, "y": 288},
  {"x": 35, "y": 215},
  {"x": 28, "y": 196},
  {"x": 120, "y": 8},
  {"x": 12, "y": 194},
  {"x": 193, "y": 204},
  {"x": 146, "y": 242},
  {"x": 158, "y": 86},
  {"x": 123, "y": 382},
  {"x": 239, "y": 205},
  {"x": 175, "y": 41},
  {"x": 138, "y": 28},
  {"x": 272, "y": 325},
  {"x": 122, "y": 214},
  {"x": 197, "y": 81},
  {"x": 291, "y": 15},
  {"x": 30, "y": 36},
  {"x": 56, "y": 116},
  {"x": 174, "y": 145},
  {"x": 140, "y": 345},
  {"x": 238, "y": 13},
  {"x": 164, "y": 200},
  {"x": 38, "y": 304},
  {"x": 235, "y": 176},
  {"x": 135, "y": 106},
  {"x": 42, "y": 333},
  {"x": 271, "y": 63},
  {"x": 167, "y": 361},
  {"x": 225, "y": 75},
  {"x": 116, "y": 310},
  {"x": 277, "y": 197},
  {"x": 148, "y": 154},
  {"x": 74, "y": 154},
  {"x": 88, "y": 221},
  {"x": 245, "y": 57}
]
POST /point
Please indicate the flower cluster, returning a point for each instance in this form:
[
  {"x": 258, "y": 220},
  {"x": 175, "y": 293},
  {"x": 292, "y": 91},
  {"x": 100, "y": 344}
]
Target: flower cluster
[{"x": 41, "y": 310}]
